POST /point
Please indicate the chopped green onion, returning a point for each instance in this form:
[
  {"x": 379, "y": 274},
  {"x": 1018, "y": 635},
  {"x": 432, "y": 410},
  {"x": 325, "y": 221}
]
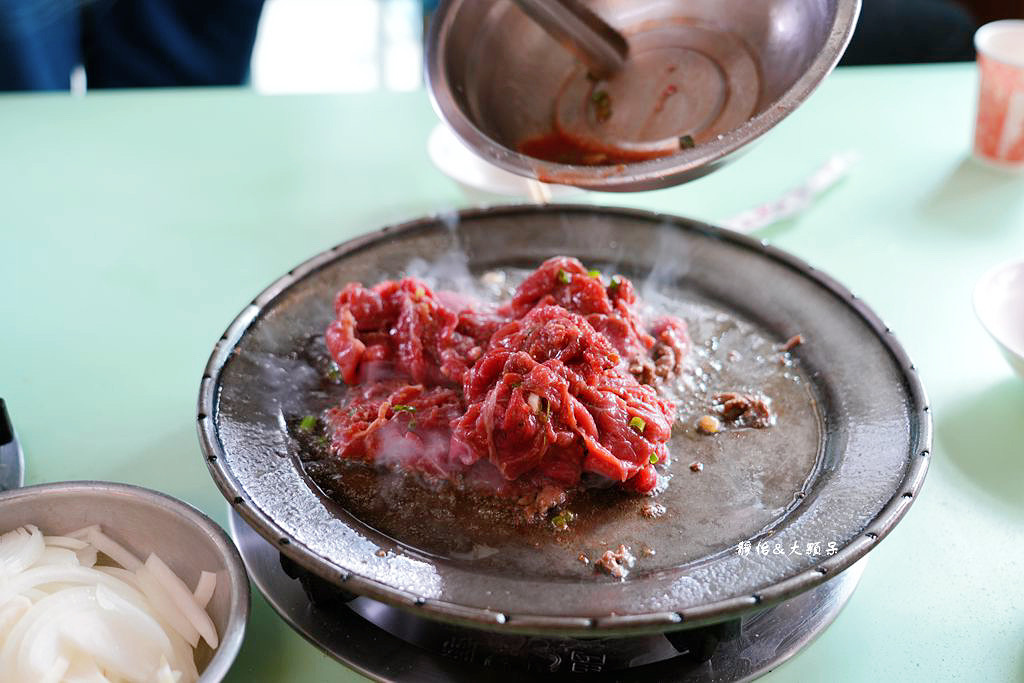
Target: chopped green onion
[
  {"x": 686, "y": 142},
  {"x": 307, "y": 423},
  {"x": 594, "y": 273},
  {"x": 602, "y": 105},
  {"x": 637, "y": 423},
  {"x": 563, "y": 520},
  {"x": 616, "y": 281},
  {"x": 654, "y": 459},
  {"x": 564, "y": 277},
  {"x": 399, "y": 407},
  {"x": 334, "y": 373}
]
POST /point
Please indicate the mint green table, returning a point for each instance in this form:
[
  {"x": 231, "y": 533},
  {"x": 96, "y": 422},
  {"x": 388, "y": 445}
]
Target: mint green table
[{"x": 135, "y": 226}]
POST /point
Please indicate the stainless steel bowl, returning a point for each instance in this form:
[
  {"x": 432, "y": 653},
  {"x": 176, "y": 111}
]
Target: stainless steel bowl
[
  {"x": 735, "y": 68},
  {"x": 145, "y": 521}
]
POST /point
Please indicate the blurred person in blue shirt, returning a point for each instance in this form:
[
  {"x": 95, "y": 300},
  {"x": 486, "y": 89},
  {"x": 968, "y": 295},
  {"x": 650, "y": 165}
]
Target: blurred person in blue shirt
[
  {"x": 131, "y": 43},
  {"x": 910, "y": 32},
  {"x": 126, "y": 43}
]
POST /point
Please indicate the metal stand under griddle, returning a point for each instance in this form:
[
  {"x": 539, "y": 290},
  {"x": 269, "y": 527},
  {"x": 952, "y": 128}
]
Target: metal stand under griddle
[{"x": 388, "y": 644}]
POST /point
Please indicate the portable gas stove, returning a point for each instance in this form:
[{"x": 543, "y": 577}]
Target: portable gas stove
[{"x": 388, "y": 644}]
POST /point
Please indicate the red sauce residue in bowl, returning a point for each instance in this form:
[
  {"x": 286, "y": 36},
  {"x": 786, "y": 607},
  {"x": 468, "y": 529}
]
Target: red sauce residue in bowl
[{"x": 562, "y": 149}]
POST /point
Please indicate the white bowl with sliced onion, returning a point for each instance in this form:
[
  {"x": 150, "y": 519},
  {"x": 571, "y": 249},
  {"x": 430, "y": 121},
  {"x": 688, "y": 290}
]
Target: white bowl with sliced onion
[{"x": 112, "y": 580}]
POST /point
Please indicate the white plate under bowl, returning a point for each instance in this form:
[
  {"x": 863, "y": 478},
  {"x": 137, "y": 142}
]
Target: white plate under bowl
[
  {"x": 481, "y": 180},
  {"x": 999, "y": 304}
]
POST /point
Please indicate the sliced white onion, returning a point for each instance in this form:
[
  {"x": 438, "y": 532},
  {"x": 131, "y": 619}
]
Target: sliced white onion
[
  {"x": 65, "y": 542},
  {"x": 52, "y": 556},
  {"x": 48, "y": 577},
  {"x": 83, "y": 533},
  {"x": 20, "y": 548},
  {"x": 111, "y": 548},
  {"x": 165, "y": 675},
  {"x": 205, "y": 588},
  {"x": 165, "y": 606},
  {"x": 13, "y": 610},
  {"x": 125, "y": 641},
  {"x": 31, "y": 647},
  {"x": 84, "y": 669},
  {"x": 56, "y": 672},
  {"x": 183, "y": 599},
  {"x": 65, "y": 618},
  {"x": 123, "y": 574},
  {"x": 184, "y": 657},
  {"x": 87, "y": 556}
]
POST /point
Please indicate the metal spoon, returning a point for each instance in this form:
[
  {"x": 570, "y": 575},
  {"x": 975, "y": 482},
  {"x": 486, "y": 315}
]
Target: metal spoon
[{"x": 600, "y": 47}]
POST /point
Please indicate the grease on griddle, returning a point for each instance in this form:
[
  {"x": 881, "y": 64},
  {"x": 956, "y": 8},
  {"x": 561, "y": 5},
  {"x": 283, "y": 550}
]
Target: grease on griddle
[
  {"x": 492, "y": 532},
  {"x": 652, "y": 510},
  {"x": 617, "y": 563},
  {"x": 450, "y": 520},
  {"x": 313, "y": 352},
  {"x": 308, "y": 432},
  {"x": 744, "y": 409},
  {"x": 708, "y": 424},
  {"x": 791, "y": 343}
]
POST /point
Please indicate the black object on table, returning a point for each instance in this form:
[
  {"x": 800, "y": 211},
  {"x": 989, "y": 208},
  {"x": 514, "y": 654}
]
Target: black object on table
[{"x": 11, "y": 458}]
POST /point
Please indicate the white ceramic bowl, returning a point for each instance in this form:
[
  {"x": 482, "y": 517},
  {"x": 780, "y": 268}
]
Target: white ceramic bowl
[
  {"x": 146, "y": 521},
  {"x": 999, "y": 304}
]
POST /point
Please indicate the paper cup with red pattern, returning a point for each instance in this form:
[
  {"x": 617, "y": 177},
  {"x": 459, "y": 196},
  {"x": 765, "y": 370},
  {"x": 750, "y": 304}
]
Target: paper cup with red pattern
[{"x": 999, "y": 133}]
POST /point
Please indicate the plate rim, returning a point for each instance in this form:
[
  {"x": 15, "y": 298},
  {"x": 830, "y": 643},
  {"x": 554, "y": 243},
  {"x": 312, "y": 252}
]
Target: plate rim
[{"x": 878, "y": 528}]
